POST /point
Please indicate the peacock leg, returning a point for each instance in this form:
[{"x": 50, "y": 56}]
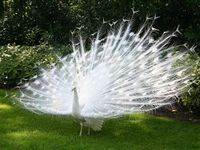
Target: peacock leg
[
  {"x": 88, "y": 130},
  {"x": 80, "y": 134}
]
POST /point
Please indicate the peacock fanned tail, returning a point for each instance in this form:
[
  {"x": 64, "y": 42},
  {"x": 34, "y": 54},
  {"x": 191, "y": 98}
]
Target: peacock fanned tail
[{"x": 124, "y": 72}]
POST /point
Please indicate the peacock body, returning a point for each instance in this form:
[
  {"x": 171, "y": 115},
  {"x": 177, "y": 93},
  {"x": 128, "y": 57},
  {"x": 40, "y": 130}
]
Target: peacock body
[{"x": 122, "y": 73}]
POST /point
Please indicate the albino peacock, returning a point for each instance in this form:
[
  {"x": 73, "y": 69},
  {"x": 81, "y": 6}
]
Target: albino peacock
[{"x": 123, "y": 73}]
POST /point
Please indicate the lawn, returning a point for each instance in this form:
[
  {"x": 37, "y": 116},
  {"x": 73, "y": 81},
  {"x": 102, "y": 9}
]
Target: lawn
[{"x": 21, "y": 129}]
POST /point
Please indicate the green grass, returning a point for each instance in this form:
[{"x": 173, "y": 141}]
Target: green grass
[{"x": 20, "y": 129}]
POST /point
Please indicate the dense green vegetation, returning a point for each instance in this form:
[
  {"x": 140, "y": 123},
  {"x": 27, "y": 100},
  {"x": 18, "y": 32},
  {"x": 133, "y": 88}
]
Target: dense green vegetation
[
  {"x": 191, "y": 99},
  {"x": 20, "y": 129},
  {"x": 31, "y": 22},
  {"x": 19, "y": 63}
]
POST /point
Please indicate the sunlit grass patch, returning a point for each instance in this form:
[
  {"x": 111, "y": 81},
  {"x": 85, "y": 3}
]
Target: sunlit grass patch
[{"x": 5, "y": 107}]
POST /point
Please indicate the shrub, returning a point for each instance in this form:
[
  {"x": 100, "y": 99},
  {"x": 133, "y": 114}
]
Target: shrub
[
  {"x": 191, "y": 99},
  {"x": 30, "y": 22},
  {"x": 18, "y": 63}
]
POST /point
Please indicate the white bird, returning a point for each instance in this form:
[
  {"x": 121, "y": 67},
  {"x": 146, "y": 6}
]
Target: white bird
[{"x": 125, "y": 72}]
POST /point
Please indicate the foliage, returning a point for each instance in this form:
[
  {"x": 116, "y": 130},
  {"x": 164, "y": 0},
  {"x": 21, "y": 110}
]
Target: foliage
[
  {"x": 19, "y": 63},
  {"x": 26, "y": 21},
  {"x": 24, "y": 130},
  {"x": 31, "y": 22},
  {"x": 172, "y": 13},
  {"x": 191, "y": 99}
]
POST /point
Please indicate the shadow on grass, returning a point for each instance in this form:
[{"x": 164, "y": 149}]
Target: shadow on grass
[{"x": 20, "y": 129}]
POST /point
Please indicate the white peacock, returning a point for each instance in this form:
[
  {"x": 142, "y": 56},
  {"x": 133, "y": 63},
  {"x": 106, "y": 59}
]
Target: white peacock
[{"x": 123, "y": 73}]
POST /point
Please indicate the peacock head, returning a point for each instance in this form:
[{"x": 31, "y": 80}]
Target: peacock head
[{"x": 73, "y": 86}]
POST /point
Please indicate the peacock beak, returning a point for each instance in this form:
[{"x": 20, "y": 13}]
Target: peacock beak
[{"x": 73, "y": 88}]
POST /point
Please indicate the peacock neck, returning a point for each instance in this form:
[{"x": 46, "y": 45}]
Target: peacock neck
[{"x": 75, "y": 105}]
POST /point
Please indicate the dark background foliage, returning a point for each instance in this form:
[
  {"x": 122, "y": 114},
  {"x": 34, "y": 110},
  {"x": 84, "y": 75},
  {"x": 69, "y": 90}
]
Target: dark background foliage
[
  {"x": 30, "y": 22},
  {"x": 47, "y": 24}
]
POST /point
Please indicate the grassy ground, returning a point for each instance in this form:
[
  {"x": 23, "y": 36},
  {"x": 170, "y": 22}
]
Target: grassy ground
[{"x": 20, "y": 129}]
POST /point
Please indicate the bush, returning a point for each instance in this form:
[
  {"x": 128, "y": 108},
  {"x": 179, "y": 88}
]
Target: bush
[
  {"x": 18, "y": 63},
  {"x": 32, "y": 22},
  {"x": 191, "y": 99},
  {"x": 25, "y": 22}
]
